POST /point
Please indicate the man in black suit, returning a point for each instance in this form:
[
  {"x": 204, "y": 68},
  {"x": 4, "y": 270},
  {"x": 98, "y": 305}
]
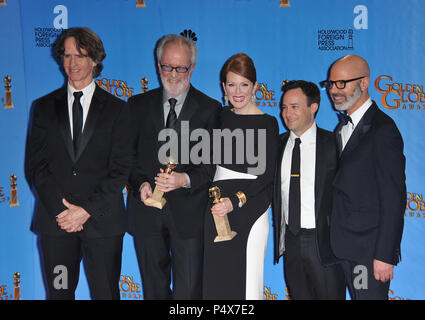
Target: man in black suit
[
  {"x": 369, "y": 197},
  {"x": 302, "y": 198},
  {"x": 79, "y": 161},
  {"x": 171, "y": 237}
]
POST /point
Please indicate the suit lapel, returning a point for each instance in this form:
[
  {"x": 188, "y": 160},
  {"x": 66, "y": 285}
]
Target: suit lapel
[
  {"x": 61, "y": 107},
  {"x": 277, "y": 196},
  {"x": 189, "y": 107},
  {"x": 361, "y": 129},
  {"x": 339, "y": 138},
  {"x": 157, "y": 110},
  {"x": 320, "y": 170},
  {"x": 95, "y": 109}
]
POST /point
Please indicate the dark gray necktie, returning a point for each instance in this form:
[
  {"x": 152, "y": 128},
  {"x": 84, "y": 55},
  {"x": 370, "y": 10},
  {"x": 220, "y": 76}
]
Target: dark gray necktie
[
  {"x": 77, "y": 119},
  {"x": 172, "y": 116}
]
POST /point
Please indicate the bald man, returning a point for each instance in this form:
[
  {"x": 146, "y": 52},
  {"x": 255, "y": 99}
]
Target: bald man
[{"x": 369, "y": 196}]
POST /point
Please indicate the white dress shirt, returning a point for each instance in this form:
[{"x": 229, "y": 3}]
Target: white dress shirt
[
  {"x": 85, "y": 101},
  {"x": 356, "y": 116},
  {"x": 307, "y": 177}
]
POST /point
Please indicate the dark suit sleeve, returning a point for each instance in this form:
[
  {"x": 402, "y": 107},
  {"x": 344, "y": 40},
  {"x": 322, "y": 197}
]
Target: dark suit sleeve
[
  {"x": 120, "y": 162},
  {"x": 138, "y": 174},
  {"x": 390, "y": 175},
  {"x": 48, "y": 189}
]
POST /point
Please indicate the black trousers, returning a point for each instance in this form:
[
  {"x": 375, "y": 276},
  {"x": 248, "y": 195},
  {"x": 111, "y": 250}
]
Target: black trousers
[
  {"x": 306, "y": 277},
  {"x": 165, "y": 257},
  {"x": 361, "y": 282},
  {"x": 62, "y": 256}
]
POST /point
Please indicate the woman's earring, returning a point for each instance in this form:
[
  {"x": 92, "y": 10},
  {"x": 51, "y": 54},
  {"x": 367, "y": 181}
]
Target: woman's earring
[{"x": 226, "y": 99}]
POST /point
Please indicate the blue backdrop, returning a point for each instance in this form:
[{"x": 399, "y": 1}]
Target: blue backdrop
[{"x": 296, "y": 41}]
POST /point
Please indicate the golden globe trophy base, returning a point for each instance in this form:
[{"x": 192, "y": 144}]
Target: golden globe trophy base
[
  {"x": 140, "y": 4},
  {"x": 224, "y": 232},
  {"x": 9, "y": 103},
  {"x": 284, "y": 3},
  {"x": 13, "y": 191},
  {"x": 17, "y": 286},
  {"x": 156, "y": 199}
]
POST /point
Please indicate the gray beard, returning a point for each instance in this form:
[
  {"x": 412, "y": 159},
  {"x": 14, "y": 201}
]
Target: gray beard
[{"x": 351, "y": 100}]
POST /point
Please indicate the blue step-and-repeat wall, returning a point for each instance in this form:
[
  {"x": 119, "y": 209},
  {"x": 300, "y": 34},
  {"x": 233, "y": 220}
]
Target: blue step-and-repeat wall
[{"x": 295, "y": 39}]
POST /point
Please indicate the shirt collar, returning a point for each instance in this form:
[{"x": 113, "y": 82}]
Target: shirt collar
[
  {"x": 357, "y": 115},
  {"x": 87, "y": 91},
  {"x": 180, "y": 98},
  {"x": 309, "y": 136}
]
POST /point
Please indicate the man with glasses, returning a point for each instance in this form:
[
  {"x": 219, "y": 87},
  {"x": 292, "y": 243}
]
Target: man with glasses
[
  {"x": 369, "y": 196},
  {"x": 170, "y": 238}
]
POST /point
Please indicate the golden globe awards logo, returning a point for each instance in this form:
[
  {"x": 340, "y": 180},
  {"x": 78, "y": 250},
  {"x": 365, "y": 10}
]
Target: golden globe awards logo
[
  {"x": 399, "y": 95},
  {"x": 392, "y": 296},
  {"x": 3, "y": 197},
  {"x": 264, "y": 96},
  {"x": 118, "y": 88},
  {"x": 4, "y": 295},
  {"x": 129, "y": 289},
  {"x": 268, "y": 295},
  {"x": 415, "y": 206}
]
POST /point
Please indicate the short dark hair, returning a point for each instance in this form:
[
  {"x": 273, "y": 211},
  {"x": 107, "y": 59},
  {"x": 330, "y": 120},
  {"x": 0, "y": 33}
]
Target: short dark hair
[
  {"x": 85, "y": 39},
  {"x": 240, "y": 64},
  {"x": 310, "y": 89}
]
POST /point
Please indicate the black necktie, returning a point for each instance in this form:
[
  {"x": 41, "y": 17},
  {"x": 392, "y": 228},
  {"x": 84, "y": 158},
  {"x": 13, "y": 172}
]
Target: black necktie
[
  {"x": 344, "y": 118},
  {"x": 294, "y": 190},
  {"x": 172, "y": 116},
  {"x": 77, "y": 119}
]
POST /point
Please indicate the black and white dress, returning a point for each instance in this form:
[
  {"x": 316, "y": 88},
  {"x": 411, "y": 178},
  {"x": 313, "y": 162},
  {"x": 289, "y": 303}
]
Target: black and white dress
[{"x": 234, "y": 269}]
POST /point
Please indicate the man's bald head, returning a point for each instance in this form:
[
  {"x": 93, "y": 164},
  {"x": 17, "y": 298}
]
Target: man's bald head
[
  {"x": 355, "y": 92},
  {"x": 354, "y": 64}
]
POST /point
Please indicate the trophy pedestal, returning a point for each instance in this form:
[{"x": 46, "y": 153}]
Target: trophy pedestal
[
  {"x": 14, "y": 204},
  {"x": 156, "y": 199},
  {"x": 8, "y": 104},
  {"x": 224, "y": 232},
  {"x": 140, "y": 4}
]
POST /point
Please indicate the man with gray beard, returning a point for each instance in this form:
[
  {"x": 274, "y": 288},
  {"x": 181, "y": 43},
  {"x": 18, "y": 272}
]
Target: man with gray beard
[
  {"x": 369, "y": 195},
  {"x": 170, "y": 238}
]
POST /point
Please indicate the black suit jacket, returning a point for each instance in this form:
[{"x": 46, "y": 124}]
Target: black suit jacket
[
  {"x": 326, "y": 163},
  {"x": 95, "y": 177},
  {"x": 186, "y": 205},
  {"x": 370, "y": 191}
]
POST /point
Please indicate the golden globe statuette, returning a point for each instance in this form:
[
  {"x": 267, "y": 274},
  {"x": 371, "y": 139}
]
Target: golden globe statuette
[
  {"x": 144, "y": 82},
  {"x": 16, "y": 286},
  {"x": 157, "y": 200},
  {"x": 285, "y": 3},
  {"x": 224, "y": 232},
  {"x": 8, "y": 93},
  {"x": 13, "y": 191},
  {"x": 140, "y": 4}
]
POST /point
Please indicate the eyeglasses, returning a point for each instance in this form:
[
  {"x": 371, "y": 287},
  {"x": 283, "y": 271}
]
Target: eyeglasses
[
  {"x": 179, "y": 69},
  {"x": 340, "y": 84}
]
